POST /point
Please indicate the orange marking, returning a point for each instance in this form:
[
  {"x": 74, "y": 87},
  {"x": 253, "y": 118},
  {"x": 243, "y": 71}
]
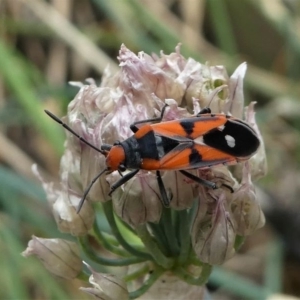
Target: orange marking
[
  {"x": 201, "y": 124},
  {"x": 176, "y": 160},
  {"x": 150, "y": 164},
  {"x": 179, "y": 160},
  {"x": 206, "y": 123},
  {"x": 143, "y": 131},
  {"x": 213, "y": 156}
]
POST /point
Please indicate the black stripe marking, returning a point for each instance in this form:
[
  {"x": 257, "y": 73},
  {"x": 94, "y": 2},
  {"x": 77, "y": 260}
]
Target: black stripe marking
[
  {"x": 188, "y": 126},
  {"x": 147, "y": 145},
  {"x": 165, "y": 145},
  {"x": 195, "y": 157},
  {"x": 246, "y": 140}
]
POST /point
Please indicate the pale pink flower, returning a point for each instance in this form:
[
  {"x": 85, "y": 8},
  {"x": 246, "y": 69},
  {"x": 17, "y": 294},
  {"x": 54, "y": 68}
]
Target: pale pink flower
[
  {"x": 213, "y": 233},
  {"x": 208, "y": 219},
  {"x": 106, "y": 286},
  {"x": 246, "y": 212},
  {"x": 60, "y": 257}
]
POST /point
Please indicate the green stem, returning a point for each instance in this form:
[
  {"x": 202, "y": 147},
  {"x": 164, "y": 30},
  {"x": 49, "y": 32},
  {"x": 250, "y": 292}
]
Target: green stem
[
  {"x": 110, "y": 238},
  {"x": 239, "y": 241},
  {"x": 83, "y": 241},
  {"x": 184, "y": 236},
  {"x": 153, "y": 248},
  {"x": 138, "y": 273},
  {"x": 187, "y": 277},
  {"x": 167, "y": 224},
  {"x": 108, "y": 210},
  {"x": 147, "y": 284},
  {"x": 106, "y": 244},
  {"x": 83, "y": 276},
  {"x": 126, "y": 225},
  {"x": 194, "y": 260},
  {"x": 160, "y": 237}
]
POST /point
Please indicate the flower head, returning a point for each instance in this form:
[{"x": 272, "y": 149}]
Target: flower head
[{"x": 209, "y": 206}]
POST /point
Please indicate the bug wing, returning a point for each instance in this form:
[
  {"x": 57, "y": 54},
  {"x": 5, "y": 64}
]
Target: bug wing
[
  {"x": 192, "y": 156},
  {"x": 191, "y": 152},
  {"x": 190, "y": 128}
]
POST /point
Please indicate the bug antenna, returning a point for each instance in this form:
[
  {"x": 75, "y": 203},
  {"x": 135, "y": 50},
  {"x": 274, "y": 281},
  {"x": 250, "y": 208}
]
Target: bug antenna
[
  {"x": 228, "y": 187},
  {"x": 88, "y": 190},
  {"x": 59, "y": 121}
]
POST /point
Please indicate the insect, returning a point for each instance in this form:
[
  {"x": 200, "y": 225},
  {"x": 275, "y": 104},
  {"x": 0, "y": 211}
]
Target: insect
[{"x": 185, "y": 144}]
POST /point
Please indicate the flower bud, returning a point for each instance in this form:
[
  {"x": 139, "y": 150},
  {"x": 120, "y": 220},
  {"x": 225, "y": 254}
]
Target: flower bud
[
  {"x": 138, "y": 200},
  {"x": 106, "y": 286},
  {"x": 258, "y": 162},
  {"x": 173, "y": 111},
  {"x": 181, "y": 189},
  {"x": 207, "y": 84},
  {"x": 245, "y": 209},
  {"x": 219, "y": 175},
  {"x": 64, "y": 203},
  {"x": 60, "y": 257},
  {"x": 145, "y": 75},
  {"x": 235, "y": 104},
  {"x": 213, "y": 234}
]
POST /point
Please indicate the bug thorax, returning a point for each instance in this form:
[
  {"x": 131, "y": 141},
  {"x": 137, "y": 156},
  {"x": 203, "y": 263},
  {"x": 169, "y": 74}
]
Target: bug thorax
[{"x": 115, "y": 157}]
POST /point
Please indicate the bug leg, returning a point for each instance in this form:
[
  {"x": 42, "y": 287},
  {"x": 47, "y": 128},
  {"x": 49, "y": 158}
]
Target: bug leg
[
  {"x": 134, "y": 128},
  {"x": 204, "y": 182},
  {"x": 88, "y": 189},
  {"x": 199, "y": 180},
  {"x": 164, "y": 197},
  {"x": 228, "y": 187},
  {"x": 121, "y": 181}
]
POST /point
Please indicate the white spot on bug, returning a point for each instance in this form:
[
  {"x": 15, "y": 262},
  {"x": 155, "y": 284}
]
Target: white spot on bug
[
  {"x": 230, "y": 141},
  {"x": 199, "y": 140},
  {"x": 221, "y": 128}
]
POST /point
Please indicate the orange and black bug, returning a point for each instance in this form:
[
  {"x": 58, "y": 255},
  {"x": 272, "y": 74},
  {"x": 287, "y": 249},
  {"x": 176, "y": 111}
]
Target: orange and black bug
[{"x": 192, "y": 143}]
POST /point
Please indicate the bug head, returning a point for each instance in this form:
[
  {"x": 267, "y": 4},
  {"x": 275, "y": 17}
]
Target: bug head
[{"x": 115, "y": 158}]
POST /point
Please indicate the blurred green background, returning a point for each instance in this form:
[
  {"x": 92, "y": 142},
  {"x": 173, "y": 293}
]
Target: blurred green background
[{"x": 45, "y": 44}]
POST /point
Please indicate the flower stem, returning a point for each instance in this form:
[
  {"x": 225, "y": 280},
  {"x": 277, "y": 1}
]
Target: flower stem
[
  {"x": 108, "y": 210},
  {"x": 152, "y": 246},
  {"x": 160, "y": 237},
  {"x": 168, "y": 228},
  {"x": 239, "y": 241},
  {"x": 106, "y": 244},
  {"x": 202, "y": 279},
  {"x": 184, "y": 236},
  {"x": 83, "y": 241},
  {"x": 147, "y": 284},
  {"x": 138, "y": 273},
  {"x": 83, "y": 276}
]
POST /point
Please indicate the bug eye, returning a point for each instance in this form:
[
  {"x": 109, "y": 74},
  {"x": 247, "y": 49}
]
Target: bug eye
[
  {"x": 105, "y": 147},
  {"x": 122, "y": 168}
]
